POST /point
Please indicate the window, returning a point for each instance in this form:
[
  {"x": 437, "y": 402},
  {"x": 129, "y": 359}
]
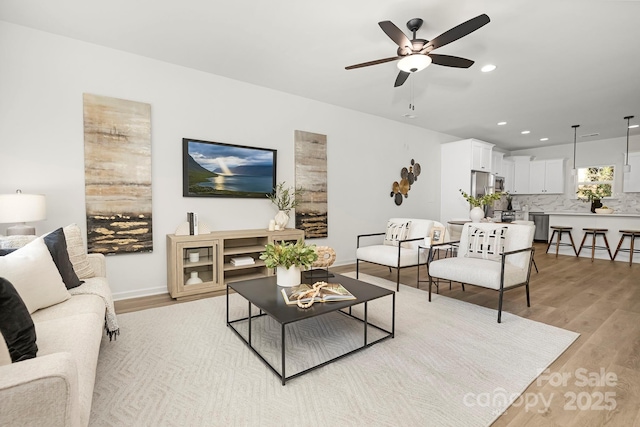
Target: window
[{"x": 595, "y": 182}]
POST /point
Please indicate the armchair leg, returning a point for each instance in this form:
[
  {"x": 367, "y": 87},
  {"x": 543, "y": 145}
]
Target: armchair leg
[
  {"x": 527, "y": 289},
  {"x": 500, "y": 306},
  {"x": 357, "y": 268},
  {"x": 398, "y": 280},
  {"x": 430, "y": 284}
]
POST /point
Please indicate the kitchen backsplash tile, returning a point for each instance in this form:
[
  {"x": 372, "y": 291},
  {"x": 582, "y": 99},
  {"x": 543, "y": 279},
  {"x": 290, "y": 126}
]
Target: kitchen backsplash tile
[{"x": 620, "y": 203}]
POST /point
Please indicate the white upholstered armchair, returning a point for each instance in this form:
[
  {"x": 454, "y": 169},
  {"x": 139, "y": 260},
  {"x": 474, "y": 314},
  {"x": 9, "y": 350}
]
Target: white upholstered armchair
[
  {"x": 492, "y": 256},
  {"x": 399, "y": 248}
]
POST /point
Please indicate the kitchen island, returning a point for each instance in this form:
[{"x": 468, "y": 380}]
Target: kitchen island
[{"x": 613, "y": 222}]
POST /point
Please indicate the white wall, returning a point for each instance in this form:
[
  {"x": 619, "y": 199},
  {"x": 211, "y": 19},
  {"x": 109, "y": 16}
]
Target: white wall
[
  {"x": 591, "y": 153},
  {"x": 43, "y": 77}
]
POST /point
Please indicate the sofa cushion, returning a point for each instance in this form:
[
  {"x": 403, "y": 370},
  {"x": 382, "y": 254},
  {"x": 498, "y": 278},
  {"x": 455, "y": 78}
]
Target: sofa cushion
[
  {"x": 80, "y": 335},
  {"x": 396, "y": 231},
  {"x": 34, "y": 275},
  {"x": 486, "y": 244},
  {"x": 16, "y": 325},
  {"x": 518, "y": 237},
  {"x": 57, "y": 245},
  {"x": 77, "y": 252}
]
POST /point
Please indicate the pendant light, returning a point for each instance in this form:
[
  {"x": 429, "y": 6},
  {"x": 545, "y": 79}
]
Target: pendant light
[
  {"x": 627, "y": 166},
  {"x": 574, "y": 172}
]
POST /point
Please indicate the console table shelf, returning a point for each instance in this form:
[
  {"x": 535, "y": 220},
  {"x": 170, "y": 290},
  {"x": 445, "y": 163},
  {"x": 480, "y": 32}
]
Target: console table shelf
[{"x": 215, "y": 251}]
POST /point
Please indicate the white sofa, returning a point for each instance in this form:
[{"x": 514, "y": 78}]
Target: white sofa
[
  {"x": 404, "y": 254},
  {"x": 500, "y": 271},
  {"x": 56, "y": 387}
]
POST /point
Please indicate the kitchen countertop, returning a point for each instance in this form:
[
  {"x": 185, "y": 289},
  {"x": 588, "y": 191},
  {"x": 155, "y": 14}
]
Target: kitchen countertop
[{"x": 615, "y": 214}]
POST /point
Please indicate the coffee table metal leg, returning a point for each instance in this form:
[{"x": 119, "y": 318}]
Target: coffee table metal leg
[
  {"x": 365, "y": 322},
  {"x": 250, "y": 325},
  {"x": 284, "y": 375},
  {"x": 393, "y": 316}
]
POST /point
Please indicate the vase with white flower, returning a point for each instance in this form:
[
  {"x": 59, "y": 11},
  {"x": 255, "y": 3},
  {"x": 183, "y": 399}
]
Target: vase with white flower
[
  {"x": 478, "y": 203},
  {"x": 285, "y": 199}
]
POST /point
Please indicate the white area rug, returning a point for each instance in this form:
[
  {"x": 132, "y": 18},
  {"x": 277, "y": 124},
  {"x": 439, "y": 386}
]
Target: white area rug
[{"x": 450, "y": 364}]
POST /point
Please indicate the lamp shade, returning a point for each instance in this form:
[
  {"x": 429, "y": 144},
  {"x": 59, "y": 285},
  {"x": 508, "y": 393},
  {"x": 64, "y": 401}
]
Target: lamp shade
[
  {"x": 20, "y": 207},
  {"x": 414, "y": 63}
]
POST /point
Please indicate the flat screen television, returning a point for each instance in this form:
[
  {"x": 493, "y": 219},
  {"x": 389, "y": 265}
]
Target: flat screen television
[{"x": 214, "y": 169}]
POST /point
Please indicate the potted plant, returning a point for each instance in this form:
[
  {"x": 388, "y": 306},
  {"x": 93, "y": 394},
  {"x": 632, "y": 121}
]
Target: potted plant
[
  {"x": 594, "y": 194},
  {"x": 288, "y": 259},
  {"x": 478, "y": 203},
  {"x": 285, "y": 198}
]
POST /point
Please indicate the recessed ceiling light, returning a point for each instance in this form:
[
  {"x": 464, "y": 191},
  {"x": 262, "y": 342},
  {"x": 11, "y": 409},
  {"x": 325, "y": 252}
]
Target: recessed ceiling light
[
  {"x": 524, "y": 132},
  {"x": 502, "y": 123},
  {"x": 633, "y": 126},
  {"x": 487, "y": 68},
  {"x": 544, "y": 139}
]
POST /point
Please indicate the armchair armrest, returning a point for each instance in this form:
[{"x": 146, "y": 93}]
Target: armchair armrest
[
  {"x": 452, "y": 243},
  {"x": 368, "y": 235}
]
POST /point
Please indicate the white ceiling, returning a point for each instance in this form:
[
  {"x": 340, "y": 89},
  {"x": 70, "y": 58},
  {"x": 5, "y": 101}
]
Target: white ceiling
[{"x": 560, "y": 62}]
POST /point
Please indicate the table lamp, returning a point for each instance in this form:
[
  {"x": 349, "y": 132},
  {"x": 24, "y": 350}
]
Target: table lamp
[{"x": 22, "y": 208}]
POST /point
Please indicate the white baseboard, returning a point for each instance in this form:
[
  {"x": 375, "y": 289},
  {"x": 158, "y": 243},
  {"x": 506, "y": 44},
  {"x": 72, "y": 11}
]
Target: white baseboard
[{"x": 119, "y": 296}]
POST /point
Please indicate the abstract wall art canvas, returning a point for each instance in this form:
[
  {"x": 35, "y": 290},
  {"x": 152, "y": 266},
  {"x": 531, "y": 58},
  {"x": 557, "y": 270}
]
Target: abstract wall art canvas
[
  {"x": 117, "y": 150},
  {"x": 311, "y": 174}
]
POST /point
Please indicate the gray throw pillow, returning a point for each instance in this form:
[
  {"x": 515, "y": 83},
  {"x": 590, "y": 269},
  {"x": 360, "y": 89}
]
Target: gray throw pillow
[{"x": 57, "y": 246}]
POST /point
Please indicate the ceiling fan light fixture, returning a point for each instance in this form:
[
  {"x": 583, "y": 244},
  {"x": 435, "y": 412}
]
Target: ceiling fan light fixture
[{"x": 414, "y": 63}]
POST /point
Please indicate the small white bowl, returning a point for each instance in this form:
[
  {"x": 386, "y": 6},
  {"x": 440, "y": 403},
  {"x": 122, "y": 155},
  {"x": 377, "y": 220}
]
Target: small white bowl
[{"x": 604, "y": 211}]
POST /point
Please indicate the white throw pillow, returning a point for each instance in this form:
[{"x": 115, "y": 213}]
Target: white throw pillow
[
  {"x": 486, "y": 244},
  {"x": 396, "y": 232},
  {"x": 33, "y": 273},
  {"x": 77, "y": 252}
]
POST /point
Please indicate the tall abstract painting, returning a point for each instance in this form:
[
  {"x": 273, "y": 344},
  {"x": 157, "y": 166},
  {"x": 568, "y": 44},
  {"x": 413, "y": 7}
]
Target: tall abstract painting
[
  {"x": 311, "y": 174},
  {"x": 117, "y": 159}
]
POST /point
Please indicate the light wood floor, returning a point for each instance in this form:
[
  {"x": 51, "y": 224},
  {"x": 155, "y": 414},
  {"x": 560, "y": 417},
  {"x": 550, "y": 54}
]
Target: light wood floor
[{"x": 599, "y": 299}]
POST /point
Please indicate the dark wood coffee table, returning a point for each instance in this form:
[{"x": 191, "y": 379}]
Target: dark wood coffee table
[{"x": 266, "y": 296}]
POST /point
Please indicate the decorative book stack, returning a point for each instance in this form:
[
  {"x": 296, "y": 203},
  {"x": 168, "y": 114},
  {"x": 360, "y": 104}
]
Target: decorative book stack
[{"x": 243, "y": 260}]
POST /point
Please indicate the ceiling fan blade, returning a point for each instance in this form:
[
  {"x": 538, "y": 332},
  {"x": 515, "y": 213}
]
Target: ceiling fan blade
[
  {"x": 402, "y": 77},
  {"x": 457, "y": 32},
  {"x": 395, "y": 34},
  {"x": 451, "y": 61},
  {"x": 377, "y": 61}
]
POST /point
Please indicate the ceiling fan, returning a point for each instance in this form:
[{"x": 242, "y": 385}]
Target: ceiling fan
[{"x": 415, "y": 54}]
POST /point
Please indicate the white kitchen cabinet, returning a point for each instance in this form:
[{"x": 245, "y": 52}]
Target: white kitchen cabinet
[
  {"x": 457, "y": 160},
  {"x": 520, "y": 181},
  {"x": 546, "y": 176},
  {"x": 631, "y": 180},
  {"x": 496, "y": 163},
  {"x": 508, "y": 172},
  {"x": 481, "y": 155}
]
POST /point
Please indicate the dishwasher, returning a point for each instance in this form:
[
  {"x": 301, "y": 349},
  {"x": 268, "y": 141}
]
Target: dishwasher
[{"x": 541, "y": 220}]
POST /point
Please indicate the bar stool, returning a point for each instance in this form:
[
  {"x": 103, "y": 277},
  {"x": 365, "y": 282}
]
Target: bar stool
[
  {"x": 595, "y": 232},
  {"x": 559, "y": 230},
  {"x": 632, "y": 234}
]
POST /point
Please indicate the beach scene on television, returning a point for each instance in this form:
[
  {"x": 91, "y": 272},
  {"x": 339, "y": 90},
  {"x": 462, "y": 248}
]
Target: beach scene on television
[{"x": 224, "y": 170}]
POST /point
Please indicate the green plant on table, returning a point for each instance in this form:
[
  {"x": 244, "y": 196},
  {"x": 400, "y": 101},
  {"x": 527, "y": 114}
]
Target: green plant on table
[
  {"x": 481, "y": 200},
  {"x": 287, "y": 254}
]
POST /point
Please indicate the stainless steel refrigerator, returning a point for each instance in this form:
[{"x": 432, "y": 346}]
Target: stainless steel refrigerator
[{"x": 481, "y": 184}]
